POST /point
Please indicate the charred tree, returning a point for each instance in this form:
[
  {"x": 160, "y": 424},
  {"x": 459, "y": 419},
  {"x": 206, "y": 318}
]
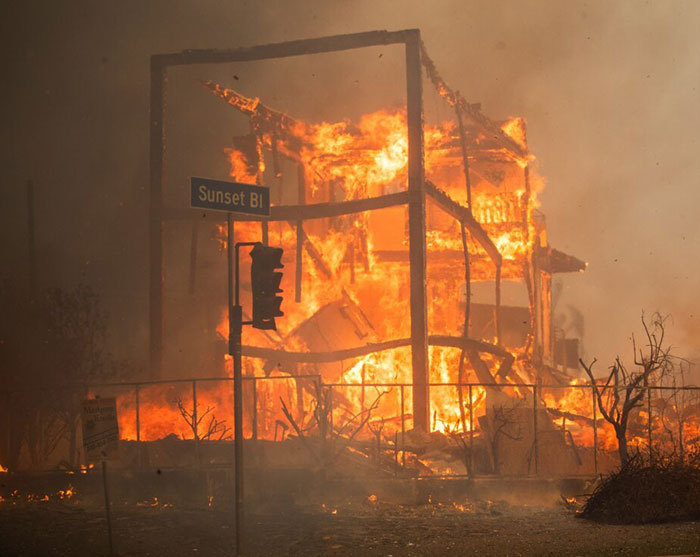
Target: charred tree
[{"x": 625, "y": 389}]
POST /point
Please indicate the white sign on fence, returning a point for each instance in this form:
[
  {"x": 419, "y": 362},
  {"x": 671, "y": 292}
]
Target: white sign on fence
[{"x": 100, "y": 429}]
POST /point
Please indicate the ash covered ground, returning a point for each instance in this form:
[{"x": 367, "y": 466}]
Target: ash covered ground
[{"x": 360, "y": 526}]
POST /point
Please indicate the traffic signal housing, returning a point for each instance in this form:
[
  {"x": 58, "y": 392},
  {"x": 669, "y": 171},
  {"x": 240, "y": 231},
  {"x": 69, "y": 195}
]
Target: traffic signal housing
[{"x": 265, "y": 284}]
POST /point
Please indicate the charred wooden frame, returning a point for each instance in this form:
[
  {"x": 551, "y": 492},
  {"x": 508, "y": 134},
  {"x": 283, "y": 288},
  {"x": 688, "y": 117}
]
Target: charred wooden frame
[{"x": 415, "y": 197}]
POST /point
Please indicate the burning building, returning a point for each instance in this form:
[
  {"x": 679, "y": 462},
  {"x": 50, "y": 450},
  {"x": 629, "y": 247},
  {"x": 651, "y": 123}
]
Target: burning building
[{"x": 392, "y": 228}]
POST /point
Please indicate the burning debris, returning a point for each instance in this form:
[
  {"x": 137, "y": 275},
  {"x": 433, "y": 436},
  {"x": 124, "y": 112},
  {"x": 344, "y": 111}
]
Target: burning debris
[
  {"x": 339, "y": 194},
  {"x": 396, "y": 353},
  {"x": 383, "y": 350}
]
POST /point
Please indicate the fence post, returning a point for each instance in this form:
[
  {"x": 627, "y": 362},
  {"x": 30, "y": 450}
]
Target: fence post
[
  {"x": 595, "y": 432},
  {"x": 330, "y": 409},
  {"x": 403, "y": 430},
  {"x": 255, "y": 408},
  {"x": 534, "y": 427},
  {"x": 471, "y": 432},
  {"x": 396, "y": 453},
  {"x": 139, "y": 457},
  {"x": 194, "y": 422},
  {"x": 679, "y": 413}
]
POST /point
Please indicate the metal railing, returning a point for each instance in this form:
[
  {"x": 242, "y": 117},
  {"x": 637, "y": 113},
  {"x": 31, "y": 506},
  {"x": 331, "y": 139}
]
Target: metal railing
[{"x": 689, "y": 414}]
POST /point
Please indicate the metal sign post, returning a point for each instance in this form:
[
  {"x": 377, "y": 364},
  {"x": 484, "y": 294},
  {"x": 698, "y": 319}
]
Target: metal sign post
[
  {"x": 234, "y": 349},
  {"x": 248, "y": 199},
  {"x": 101, "y": 442}
]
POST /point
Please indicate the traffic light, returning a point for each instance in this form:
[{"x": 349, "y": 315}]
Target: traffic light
[{"x": 265, "y": 283}]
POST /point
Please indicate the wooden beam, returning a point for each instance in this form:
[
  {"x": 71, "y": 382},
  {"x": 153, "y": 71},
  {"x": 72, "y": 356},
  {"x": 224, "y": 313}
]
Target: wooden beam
[
  {"x": 287, "y": 49},
  {"x": 300, "y": 212},
  {"x": 357, "y": 352},
  {"x": 465, "y": 158},
  {"x": 301, "y": 200},
  {"x": 463, "y": 215},
  {"x": 456, "y": 100},
  {"x": 497, "y": 306},
  {"x": 157, "y": 186},
  {"x": 416, "y": 234}
]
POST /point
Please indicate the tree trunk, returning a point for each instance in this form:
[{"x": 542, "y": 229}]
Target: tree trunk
[{"x": 621, "y": 434}]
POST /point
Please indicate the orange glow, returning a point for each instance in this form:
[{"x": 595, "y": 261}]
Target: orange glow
[{"x": 361, "y": 260}]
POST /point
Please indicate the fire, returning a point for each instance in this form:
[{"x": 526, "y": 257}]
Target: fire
[
  {"x": 515, "y": 129},
  {"x": 84, "y": 469},
  {"x": 60, "y": 495},
  {"x": 360, "y": 261},
  {"x": 67, "y": 493}
]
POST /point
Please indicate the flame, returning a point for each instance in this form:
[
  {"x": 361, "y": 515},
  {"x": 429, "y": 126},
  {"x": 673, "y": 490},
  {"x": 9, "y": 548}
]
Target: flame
[
  {"x": 515, "y": 129},
  {"x": 345, "y": 258}
]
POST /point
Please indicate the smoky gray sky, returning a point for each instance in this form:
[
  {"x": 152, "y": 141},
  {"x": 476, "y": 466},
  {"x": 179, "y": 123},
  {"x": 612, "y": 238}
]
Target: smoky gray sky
[{"x": 609, "y": 90}]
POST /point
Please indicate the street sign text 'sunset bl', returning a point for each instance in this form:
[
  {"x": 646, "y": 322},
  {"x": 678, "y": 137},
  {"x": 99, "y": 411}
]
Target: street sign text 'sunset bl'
[{"x": 232, "y": 197}]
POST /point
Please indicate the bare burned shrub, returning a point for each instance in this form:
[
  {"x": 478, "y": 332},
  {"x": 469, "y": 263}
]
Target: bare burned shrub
[{"x": 639, "y": 492}]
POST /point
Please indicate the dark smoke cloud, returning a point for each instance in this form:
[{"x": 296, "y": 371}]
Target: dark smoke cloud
[{"x": 609, "y": 90}]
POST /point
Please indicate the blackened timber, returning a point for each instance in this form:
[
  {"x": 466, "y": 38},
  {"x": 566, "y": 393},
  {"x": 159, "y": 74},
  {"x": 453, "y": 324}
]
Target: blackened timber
[
  {"x": 323, "y": 210},
  {"x": 333, "y": 43},
  {"x": 456, "y": 100},
  {"x": 303, "y": 212},
  {"x": 372, "y": 348},
  {"x": 157, "y": 148},
  {"x": 480, "y": 368},
  {"x": 301, "y": 200},
  {"x": 467, "y": 282},
  {"x": 463, "y": 215},
  {"x": 497, "y": 308},
  {"x": 416, "y": 233},
  {"x": 465, "y": 158},
  {"x": 555, "y": 261},
  {"x": 264, "y": 227},
  {"x": 467, "y": 307},
  {"x": 315, "y": 255}
]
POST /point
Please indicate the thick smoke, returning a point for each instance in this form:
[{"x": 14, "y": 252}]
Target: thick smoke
[{"x": 609, "y": 92}]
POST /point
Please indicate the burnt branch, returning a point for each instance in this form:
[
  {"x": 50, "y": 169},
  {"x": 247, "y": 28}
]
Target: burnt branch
[{"x": 625, "y": 389}]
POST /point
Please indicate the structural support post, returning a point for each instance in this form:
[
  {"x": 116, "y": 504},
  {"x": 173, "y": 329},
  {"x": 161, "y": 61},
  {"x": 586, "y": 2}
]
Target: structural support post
[
  {"x": 137, "y": 394},
  {"x": 471, "y": 433},
  {"x": 403, "y": 428},
  {"x": 155, "y": 307},
  {"x": 301, "y": 200},
  {"x": 416, "y": 233},
  {"x": 465, "y": 158},
  {"x": 254, "y": 432},
  {"x": 535, "y": 440},
  {"x": 497, "y": 308}
]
